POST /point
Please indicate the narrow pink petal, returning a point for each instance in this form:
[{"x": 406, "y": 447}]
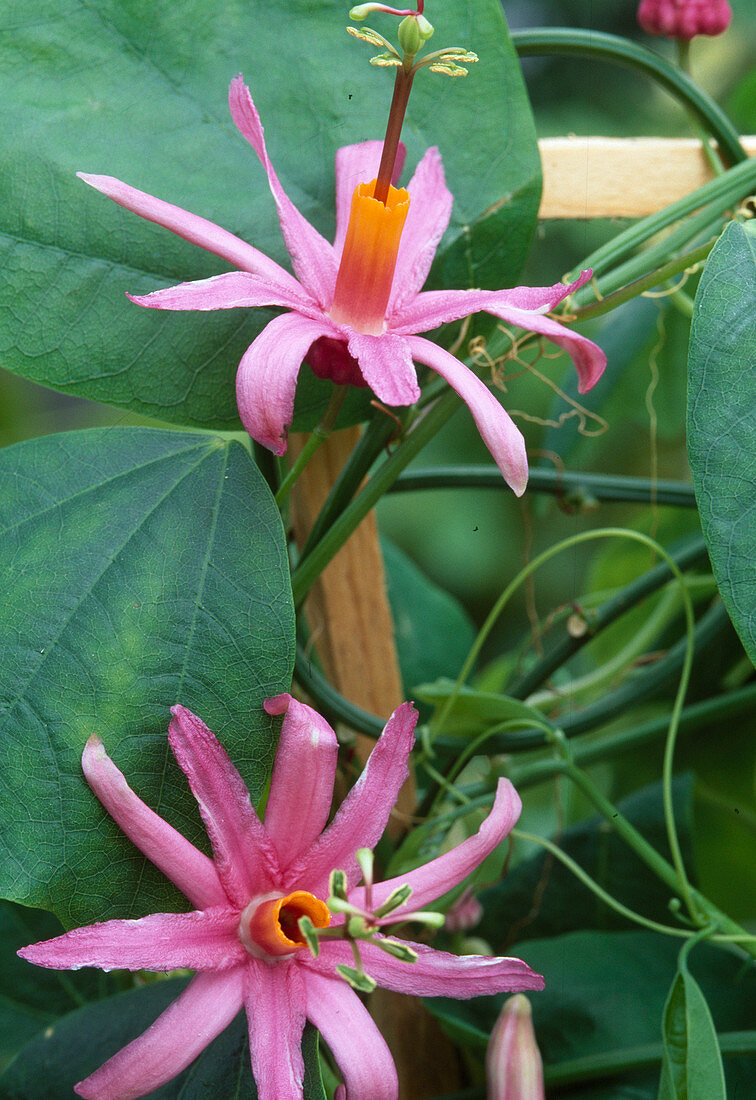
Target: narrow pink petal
[
  {"x": 358, "y": 164},
  {"x": 267, "y": 377},
  {"x": 429, "y": 213},
  {"x": 161, "y": 941},
  {"x": 359, "y": 1049},
  {"x": 192, "y": 228},
  {"x": 589, "y": 359},
  {"x": 386, "y": 365},
  {"x": 180, "y": 861},
  {"x": 207, "y": 1006},
  {"x": 274, "y": 998},
  {"x": 301, "y": 787},
  {"x": 498, "y": 431},
  {"x": 446, "y": 871},
  {"x": 313, "y": 258},
  {"x": 244, "y": 857},
  {"x": 522, "y": 306},
  {"x": 362, "y": 817},
  {"x": 435, "y": 974},
  {"x": 232, "y": 290}
]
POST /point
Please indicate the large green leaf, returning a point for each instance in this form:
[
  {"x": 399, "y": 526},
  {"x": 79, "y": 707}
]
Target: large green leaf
[
  {"x": 76, "y": 1045},
  {"x": 139, "y": 92},
  {"x": 141, "y": 568},
  {"x": 722, "y": 420}
]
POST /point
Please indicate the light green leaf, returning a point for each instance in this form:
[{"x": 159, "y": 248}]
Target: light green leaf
[
  {"x": 142, "y": 568},
  {"x": 692, "y": 1063},
  {"x": 474, "y": 711},
  {"x": 722, "y": 420},
  {"x": 139, "y": 92}
]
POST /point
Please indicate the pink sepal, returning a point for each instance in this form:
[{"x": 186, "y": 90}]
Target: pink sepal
[
  {"x": 435, "y": 974},
  {"x": 429, "y": 213},
  {"x": 301, "y": 786},
  {"x": 207, "y": 1006},
  {"x": 178, "y": 859},
  {"x": 232, "y": 290},
  {"x": 205, "y": 940},
  {"x": 244, "y": 857},
  {"x": 498, "y": 431},
  {"x": 191, "y": 227},
  {"x": 386, "y": 365},
  {"x": 267, "y": 377},
  {"x": 353, "y": 1039},
  {"x": 274, "y": 999},
  {"x": 362, "y": 817},
  {"x": 312, "y": 257},
  {"x": 444, "y": 872}
]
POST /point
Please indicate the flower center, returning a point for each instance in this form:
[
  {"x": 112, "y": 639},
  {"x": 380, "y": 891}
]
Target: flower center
[
  {"x": 269, "y": 925},
  {"x": 366, "y": 272}
]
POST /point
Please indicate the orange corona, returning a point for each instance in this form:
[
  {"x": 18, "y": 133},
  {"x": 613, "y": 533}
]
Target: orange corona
[
  {"x": 269, "y": 925},
  {"x": 366, "y": 272}
]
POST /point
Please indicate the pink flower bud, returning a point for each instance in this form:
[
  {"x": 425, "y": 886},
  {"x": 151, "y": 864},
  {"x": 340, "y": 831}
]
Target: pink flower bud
[
  {"x": 464, "y": 914},
  {"x": 514, "y": 1070},
  {"x": 684, "y": 18}
]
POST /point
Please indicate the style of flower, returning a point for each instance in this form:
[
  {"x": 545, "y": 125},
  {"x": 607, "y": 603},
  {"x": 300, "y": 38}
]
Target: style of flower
[
  {"x": 355, "y": 307},
  {"x": 684, "y": 19},
  {"x": 243, "y": 937}
]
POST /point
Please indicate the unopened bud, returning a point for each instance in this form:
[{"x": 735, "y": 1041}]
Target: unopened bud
[
  {"x": 684, "y": 19},
  {"x": 464, "y": 914},
  {"x": 514, "y": 1070}
]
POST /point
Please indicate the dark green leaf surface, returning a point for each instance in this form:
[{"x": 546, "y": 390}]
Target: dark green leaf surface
[
  {"x": 432, "y": 631},
  {"x": 605, "y": 991},
  {"x": 76, "y": 1045},
  {"x": 32, "y": 998},
  {"x": 563, "y": 903},
  {"x": 722, "y": 420},
  {"x": 139, "y": 92},
  {"x": 142, "y": 568}
]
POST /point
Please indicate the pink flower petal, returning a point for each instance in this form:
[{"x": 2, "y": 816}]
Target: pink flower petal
[
  {"x": 301, "y": 786},
  {"x": 359, "y": 1049},
  {"x": 187, "y": 867},
  {"x": 192, "y": 228},
  {"x": 435, "y": 974},
  {"x": 358, "y": 164},
  {"x": 244, "y": 857},
  {"x": 232, "y": 290},
  {"x": 445, "y": 872},
  {"x": 274, "y": 998},
  {"x": 207, "y": 1006},
  {"x": 386, "y": 365},
  {"x": 313, "y": 258},
  {"x": 429, "y": 213},
  {"x": 161, "y": 941},
  {"x": 267, "y": 376},
  {"x": 362, "y": 817},
  {"x": 522, "y": 306},
  {"x": 499, "y": 433}
]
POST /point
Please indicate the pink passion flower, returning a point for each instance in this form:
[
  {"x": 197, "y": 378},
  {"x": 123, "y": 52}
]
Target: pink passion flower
[
  {"x": 243, "y": 938},
  {"x": 356, "y": 306}
]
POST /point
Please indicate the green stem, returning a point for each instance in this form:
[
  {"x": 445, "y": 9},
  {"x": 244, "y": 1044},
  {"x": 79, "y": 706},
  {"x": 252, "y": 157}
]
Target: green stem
[
  {"x": 311, "y": 566},
  {"x": 683, "y": 60},
  {"x": 318, "y": 436},
  {"x": 561, "y": 483},
  {"x": 646, "y": 282},
  {"x": 621, "y": 51}
]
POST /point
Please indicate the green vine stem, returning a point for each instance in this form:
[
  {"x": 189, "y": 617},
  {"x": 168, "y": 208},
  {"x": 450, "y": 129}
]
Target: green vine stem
[
  {"x": 621, "y": 51},
  {"x": 718, "y": 195},
  {"x": 561, "y": 483},
  {"x": 319, "y": 435}
]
